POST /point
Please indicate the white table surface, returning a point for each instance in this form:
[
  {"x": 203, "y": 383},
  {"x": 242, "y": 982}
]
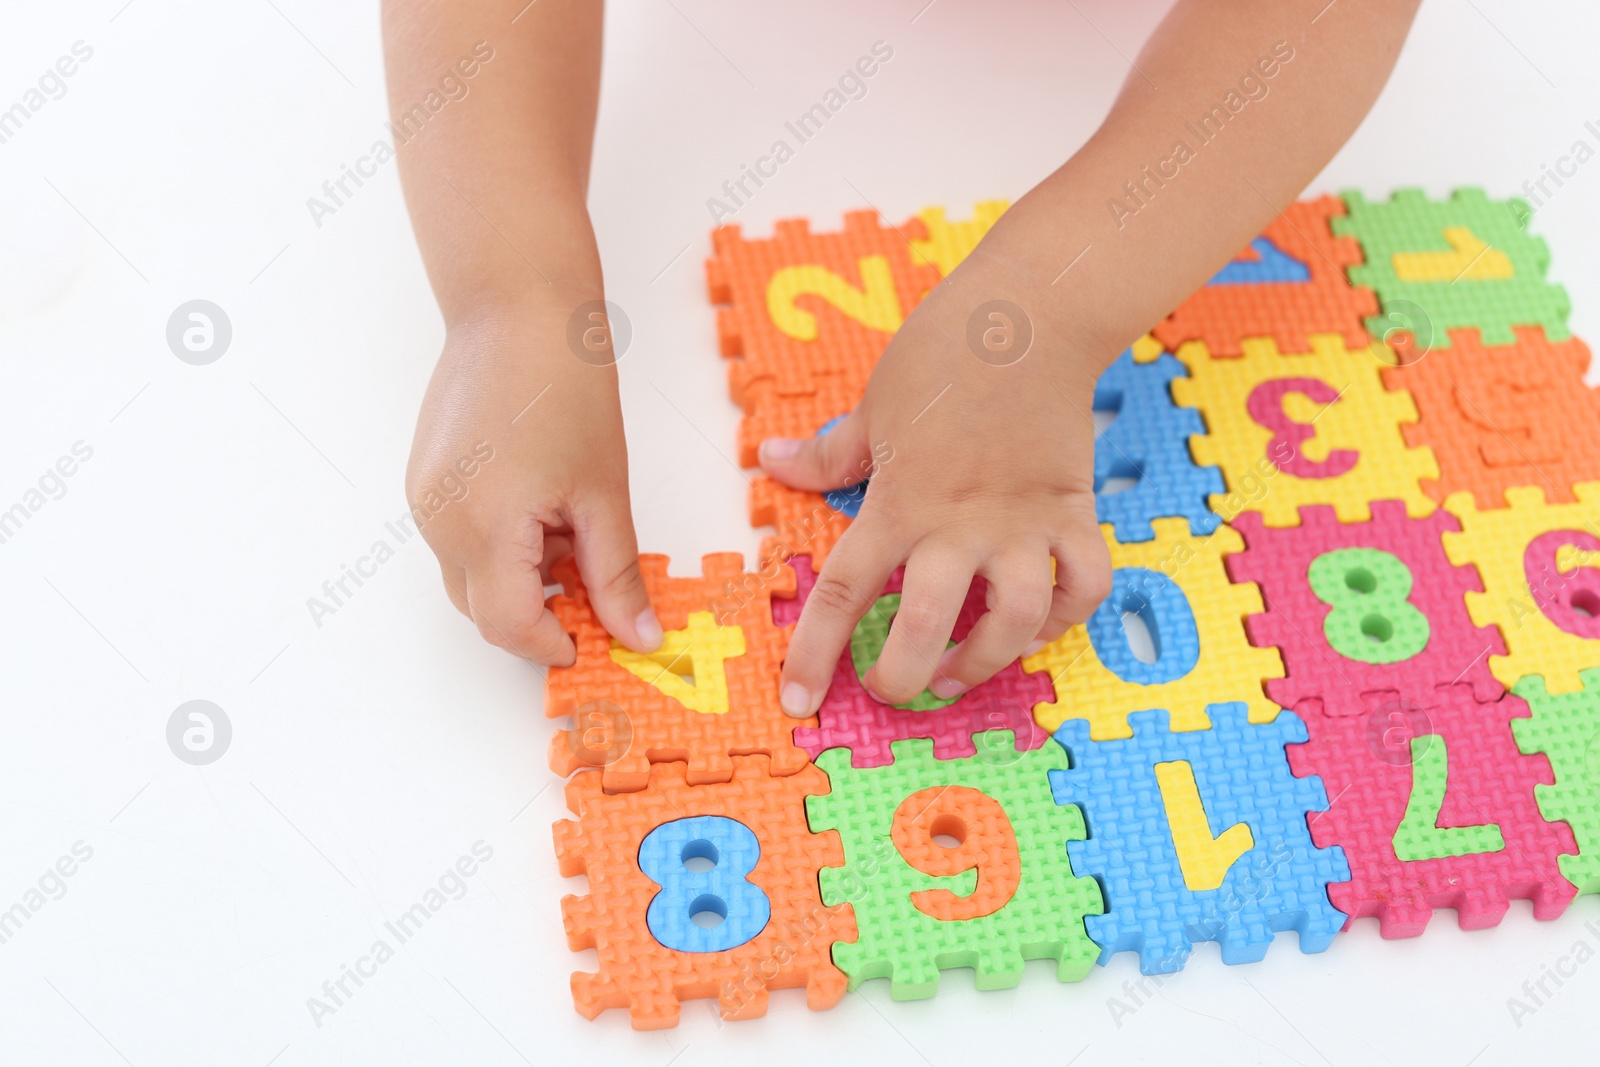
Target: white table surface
[{"x": 371, "y": 752}]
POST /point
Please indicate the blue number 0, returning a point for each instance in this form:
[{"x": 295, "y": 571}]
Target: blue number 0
[
  {"x": 732, "y": 850},
  {"x": 1161, "y": 604}
]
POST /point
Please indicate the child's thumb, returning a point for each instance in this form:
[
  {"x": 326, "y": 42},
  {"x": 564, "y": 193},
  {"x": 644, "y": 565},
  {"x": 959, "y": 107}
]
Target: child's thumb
[
  {"x": 838, "y": 459},
  {"x": 608, "y": 562}
]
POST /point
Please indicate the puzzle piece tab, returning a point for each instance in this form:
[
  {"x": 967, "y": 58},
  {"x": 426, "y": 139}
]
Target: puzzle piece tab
[
  {"x": 1566, "y": 729},
  {"x": 1003, "y": 894},
  {"x": 777, "y": 932},
  {"x": 1195, "y": 615},
  {"x": 851, "y": 718},
  {"x": 1438, "y": 265},
  {"x": 1303, "y": 428},
  {"x": 630, "y": 710},
  {"x": 1364, "y": 606},
  {"x": 1433, "y": 807},
  {"x": 1541, "y": 584},
  {"x": 1496, "y": 416},
  {"x": 1159, "y": 837},
  {"x": 1289, "y": 284}
]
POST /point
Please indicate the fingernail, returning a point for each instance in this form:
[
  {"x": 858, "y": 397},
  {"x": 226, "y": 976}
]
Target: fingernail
[
  {"x": 1031, "y": 649},
  {"x": 946, "y": 688},
  {"x": 795, "y": 701},
  {"x": 648, "y": 628},
  {"x": 779, "y": 449}
]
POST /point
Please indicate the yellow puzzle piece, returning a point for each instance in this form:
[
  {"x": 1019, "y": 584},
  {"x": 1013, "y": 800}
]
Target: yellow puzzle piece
[
  {"x": 1290, "y": 429},
  {"x": 948, "y": 243},
  {"x": 688, "y": 666},
  {"x": 1229, "y": 667},
  {"x": 1554, "y": 633}
]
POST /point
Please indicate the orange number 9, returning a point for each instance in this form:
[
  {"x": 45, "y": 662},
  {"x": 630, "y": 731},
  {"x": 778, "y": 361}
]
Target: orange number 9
[{"x": 986, "y": 844}]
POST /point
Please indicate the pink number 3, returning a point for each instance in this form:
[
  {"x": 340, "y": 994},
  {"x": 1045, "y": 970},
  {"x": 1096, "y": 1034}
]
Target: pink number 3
[{"x": 1266, "y": 408}]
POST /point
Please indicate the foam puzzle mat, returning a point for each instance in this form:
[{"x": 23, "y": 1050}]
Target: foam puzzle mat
[{"x": 1352, "y": 490}]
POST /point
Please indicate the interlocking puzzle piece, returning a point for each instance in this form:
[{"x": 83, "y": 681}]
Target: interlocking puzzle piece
[
  {"x": 709, "y": 693},
  {"x": 771, "y": 415},
  {"x": 1349, "y": 621},
  {"x": 802, "y": 521},
  {"x": 1255, "y": 296},
  {"x": 1176, "y": 583},
  {"x": 1004, "y": 894},
  {"x": 804, "y": 305},
  {"x": 1566, "y": 729},
  {"x": 948, "y": 243},
  {"x": 1441, "y": 264},
  {"x": 1539, "y": 582},
  {"x": 1303, "y": 428},
  {"x": 1165, "y": 812},
  {"x": 1149, "y": 441},
  {"x": 1434, "y": 808},
  {"x": 636, "y": 971},
  {"x": 851, "y": 718},
  {"x": 1496, "y": 416}
]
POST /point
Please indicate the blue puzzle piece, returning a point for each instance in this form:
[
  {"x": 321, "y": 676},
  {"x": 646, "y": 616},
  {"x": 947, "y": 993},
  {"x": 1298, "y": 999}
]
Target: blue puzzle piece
[
  {"x": 1242, "y": 775},
  {"x": 1271, "y": 265},
  {"x": 1149, "y": 442},
  {"x": 846, "y": 501}
]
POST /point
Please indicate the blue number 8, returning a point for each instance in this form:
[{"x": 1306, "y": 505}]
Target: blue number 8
[
  {"x": 721, "y": 889},
  {"x": 1161, "y": 604}
]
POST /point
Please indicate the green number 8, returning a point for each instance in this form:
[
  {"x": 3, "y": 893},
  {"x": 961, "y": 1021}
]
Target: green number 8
[{"x": 1371, "y": 620}]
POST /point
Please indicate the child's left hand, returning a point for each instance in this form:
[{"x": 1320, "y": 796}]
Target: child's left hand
[{"x": 979, "y": 466}]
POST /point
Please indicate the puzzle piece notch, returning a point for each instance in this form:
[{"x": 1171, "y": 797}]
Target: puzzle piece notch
[
  {"x": 1408, "y": 249},
  {"x": 637, "y": 972},
  {"x": 1362, "y": 751},
  {"x": 1227, "y": 666},
  {"x": 642, "y": 721},
  {"x": 1289, "y": 312},
  {"x": 852, "y": 718},
  {"x": 1011, "y": 834},
  {"x": 1498, "y": 416},
  {"x": 1279, "y": 560},
  {"x": 1243, "y": 778},
  {"x": 1565, "y": 728}
]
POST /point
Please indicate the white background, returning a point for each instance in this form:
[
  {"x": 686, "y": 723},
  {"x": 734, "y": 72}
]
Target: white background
[{"x": 368, "y": 754}]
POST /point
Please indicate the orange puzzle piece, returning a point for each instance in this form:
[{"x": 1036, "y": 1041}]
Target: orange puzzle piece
[
  {"x": 1287, "y": 311},
  {"x": 1503, "y": 415},
  {"x": 636, "y": 971},
  {"x": 709, "y": 694}
]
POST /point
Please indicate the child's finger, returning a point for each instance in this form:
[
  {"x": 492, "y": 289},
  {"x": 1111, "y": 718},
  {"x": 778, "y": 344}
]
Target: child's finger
[
  {"x": 1019, "y": 600},
  {"x": 608, "y": 560},
  {"x": 935, "y": 586},
  {"x": 837, "y": 459},
  {"x": 845, "y": 590},
  {"x": 505, "y": 595},
  {"x": 1083, "y": 580}
]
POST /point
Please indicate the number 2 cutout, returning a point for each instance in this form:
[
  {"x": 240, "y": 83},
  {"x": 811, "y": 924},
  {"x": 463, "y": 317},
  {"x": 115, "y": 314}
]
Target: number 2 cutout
[
  {"x": 874, "y": 304},
  {"x": 986, "y": 847},
  {"x": 1265, "y": 406}
]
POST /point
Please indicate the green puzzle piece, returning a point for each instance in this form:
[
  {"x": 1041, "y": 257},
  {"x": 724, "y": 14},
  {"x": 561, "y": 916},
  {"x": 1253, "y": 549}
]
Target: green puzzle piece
[
  {"x": 1566, "y": 728},
  {"x": 1042, "y": 918},
  {"x": 1438, "y": 265}
]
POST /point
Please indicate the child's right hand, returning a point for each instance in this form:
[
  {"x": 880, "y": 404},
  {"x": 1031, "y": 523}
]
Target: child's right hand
[{"x": 555, "y": 482}]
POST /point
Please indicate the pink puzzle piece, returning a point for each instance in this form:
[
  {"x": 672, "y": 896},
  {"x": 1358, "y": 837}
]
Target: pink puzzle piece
[
  {"x": 1364, "y": 752},
  {"x": 1278, "y": 559},
  {"x": 851, "y": 718}
]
